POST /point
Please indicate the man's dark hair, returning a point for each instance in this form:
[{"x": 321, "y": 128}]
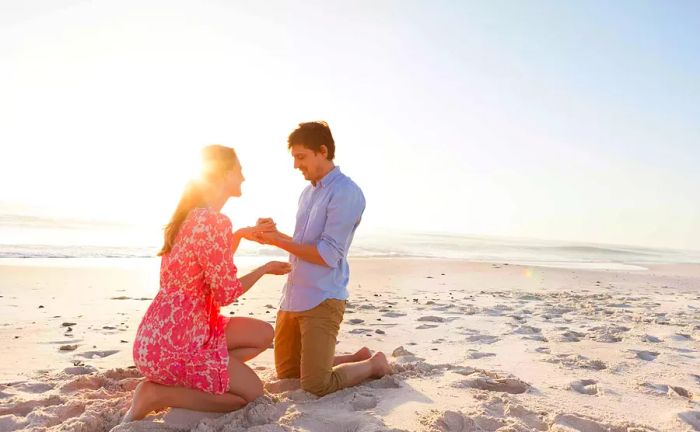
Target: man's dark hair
[{"x": 313, "y": 135}]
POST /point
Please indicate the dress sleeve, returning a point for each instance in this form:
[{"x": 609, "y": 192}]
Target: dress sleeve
[{"x": 215, "y": 256}]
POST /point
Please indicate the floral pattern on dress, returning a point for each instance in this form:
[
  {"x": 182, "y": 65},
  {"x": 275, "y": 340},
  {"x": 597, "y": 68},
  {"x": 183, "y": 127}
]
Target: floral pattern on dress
[{"x": 181, "y": 340}]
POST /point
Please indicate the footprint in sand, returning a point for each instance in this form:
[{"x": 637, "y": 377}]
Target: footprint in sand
[
  {"x": 576, "y": 360},
  {"x": 68, "y": 347},
  {"x": 495, "y": 311},
  {"x": 363, "y": 401},
  {"x": 585, "y": 386},
  {"x": 336, "y": 423},
  {"x": 504, "y": 385},
  {"x": 425, "y": 326},
  {"x": 650, "y": 338},
  {"x": 477, "y": 355},
  {"x": 646, "y": 355},
  {"x": 453, "y": 421},
  {"x": 692, "y": 418},
  {"x": 356, "y": 321},
  {"x": 394, "y": 314},
  {"x": 467, "y": 370},
  {"x": 79, "y": 370},
  {"x": 432, "y": 319},
  {"x": 527, "y": 330},
  {"x": 468, "y": 310},
  {"x": 97, "y": 354},
  {"x": 485, "y": 339},
  {"x": 663, "y": 389},
  {"x": 33, "y": 387},
  {"x": 511, "y": 416},
  {"x": 484, "y": 380},
  {"x": 571, "y": 336},
  {"x": 680, "y": 391},
  {"x": 401, "y": 352},
  {"x": 608, "y": 334},
  {"x": 385, "y": 382},
  {"x": 23, "y": 408},
  {"x": 12, "y": 423},
  {"x": 567, "y": 422}
]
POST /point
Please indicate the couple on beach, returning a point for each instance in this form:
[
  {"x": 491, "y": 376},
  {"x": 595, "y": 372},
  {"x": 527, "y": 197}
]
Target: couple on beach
[{"x": 195, "y": 358}]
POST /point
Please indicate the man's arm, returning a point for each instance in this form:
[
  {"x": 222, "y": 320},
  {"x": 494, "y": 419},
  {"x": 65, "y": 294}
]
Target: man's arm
[
  {"x": 307, "y": 252},
  {"x": 343, "y": 214},
  {"x": 283, "y": 241}
]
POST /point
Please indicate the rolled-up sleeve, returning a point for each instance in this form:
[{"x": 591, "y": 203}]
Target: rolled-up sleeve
[{"x": 344, "y": 213}]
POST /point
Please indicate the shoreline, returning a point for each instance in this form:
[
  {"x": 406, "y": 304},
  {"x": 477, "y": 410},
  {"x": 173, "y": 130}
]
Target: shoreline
[{"x": 249, "y": 260}]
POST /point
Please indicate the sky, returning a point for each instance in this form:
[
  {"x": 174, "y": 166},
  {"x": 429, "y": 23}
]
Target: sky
[{"x": 536, "y": 119}]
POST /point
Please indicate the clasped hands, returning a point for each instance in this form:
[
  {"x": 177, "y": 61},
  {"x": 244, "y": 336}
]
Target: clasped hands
[{"x": 264, "y": 232}]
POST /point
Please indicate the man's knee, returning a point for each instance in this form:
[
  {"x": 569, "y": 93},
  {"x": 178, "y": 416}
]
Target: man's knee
[{"x": 319, "y": 384}]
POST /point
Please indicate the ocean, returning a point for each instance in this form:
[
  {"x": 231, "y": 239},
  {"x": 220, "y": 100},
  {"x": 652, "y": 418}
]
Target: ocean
[{"x": 26, "y": 237}]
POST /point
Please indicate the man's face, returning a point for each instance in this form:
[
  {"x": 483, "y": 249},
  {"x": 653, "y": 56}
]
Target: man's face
[{"x": 309, "y": 163}]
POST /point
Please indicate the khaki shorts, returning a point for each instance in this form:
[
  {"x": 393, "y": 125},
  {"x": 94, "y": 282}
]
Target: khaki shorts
[{"x": 305, "y": 346}]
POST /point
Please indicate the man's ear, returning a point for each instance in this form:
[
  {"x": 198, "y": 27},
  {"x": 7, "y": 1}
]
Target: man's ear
[{"x": 323, "y": 150}]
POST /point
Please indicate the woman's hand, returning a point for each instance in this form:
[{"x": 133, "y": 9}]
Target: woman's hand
[
  {"x": 247, "y": 233},
  {"x": 251, "y": 233},
  {"x": 277, "y": 268}
]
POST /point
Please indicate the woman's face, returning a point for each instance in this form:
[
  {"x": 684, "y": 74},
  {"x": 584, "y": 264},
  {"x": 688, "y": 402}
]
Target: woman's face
[{"x": 233, "y": 179}]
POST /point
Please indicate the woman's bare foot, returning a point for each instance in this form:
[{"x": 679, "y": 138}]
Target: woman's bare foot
[
  {"x": 380, "y": 365},
  {"x": 362, "y": 354},
  {"x": 144, "y": 402}
]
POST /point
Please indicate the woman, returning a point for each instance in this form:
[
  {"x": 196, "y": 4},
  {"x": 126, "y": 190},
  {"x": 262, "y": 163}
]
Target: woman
[{"x": 193, "y": 357}]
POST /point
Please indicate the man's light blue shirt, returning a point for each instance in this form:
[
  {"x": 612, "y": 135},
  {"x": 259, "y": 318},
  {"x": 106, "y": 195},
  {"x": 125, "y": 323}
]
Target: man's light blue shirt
[{"x": 328, "y": 216}]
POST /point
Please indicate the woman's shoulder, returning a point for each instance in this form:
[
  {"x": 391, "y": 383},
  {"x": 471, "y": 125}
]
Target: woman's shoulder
[{"x": 209, "y": 218}]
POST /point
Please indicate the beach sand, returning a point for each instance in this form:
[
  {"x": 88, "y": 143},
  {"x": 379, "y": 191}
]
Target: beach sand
[{"x": 475, "y": 347}]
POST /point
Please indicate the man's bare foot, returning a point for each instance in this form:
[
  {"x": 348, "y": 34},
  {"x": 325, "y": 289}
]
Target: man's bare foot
[
  {"x": 143, "y": 403},
  {"x": 380, "y": 365},
  {"x": 362, "y": 354}
]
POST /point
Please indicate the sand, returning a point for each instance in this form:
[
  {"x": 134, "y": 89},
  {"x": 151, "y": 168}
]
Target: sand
[{"x": 474, "y": 346}]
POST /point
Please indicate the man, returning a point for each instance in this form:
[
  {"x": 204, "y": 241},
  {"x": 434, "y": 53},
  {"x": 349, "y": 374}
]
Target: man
[{"x": 313, "y": 299}]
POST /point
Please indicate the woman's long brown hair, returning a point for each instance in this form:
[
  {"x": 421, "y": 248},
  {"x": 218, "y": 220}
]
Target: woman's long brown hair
[{"x": 216, "y": 160}]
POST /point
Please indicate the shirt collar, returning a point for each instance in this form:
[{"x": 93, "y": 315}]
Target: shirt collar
[{"x": 329, "y": 178}]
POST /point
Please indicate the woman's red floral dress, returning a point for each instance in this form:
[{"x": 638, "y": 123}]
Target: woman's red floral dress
[{"x": 181, "y": 340}]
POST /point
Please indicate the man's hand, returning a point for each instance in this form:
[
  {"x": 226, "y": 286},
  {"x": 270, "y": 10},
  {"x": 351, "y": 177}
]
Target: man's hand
[
  {"x": 266, "y": 221},
  {"x": 267, "y": 238},
  {"x": 263, "y": 226}
]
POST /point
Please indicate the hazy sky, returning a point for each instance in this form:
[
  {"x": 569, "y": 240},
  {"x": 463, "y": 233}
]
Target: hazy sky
[{"x": 546, "y": 119}]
